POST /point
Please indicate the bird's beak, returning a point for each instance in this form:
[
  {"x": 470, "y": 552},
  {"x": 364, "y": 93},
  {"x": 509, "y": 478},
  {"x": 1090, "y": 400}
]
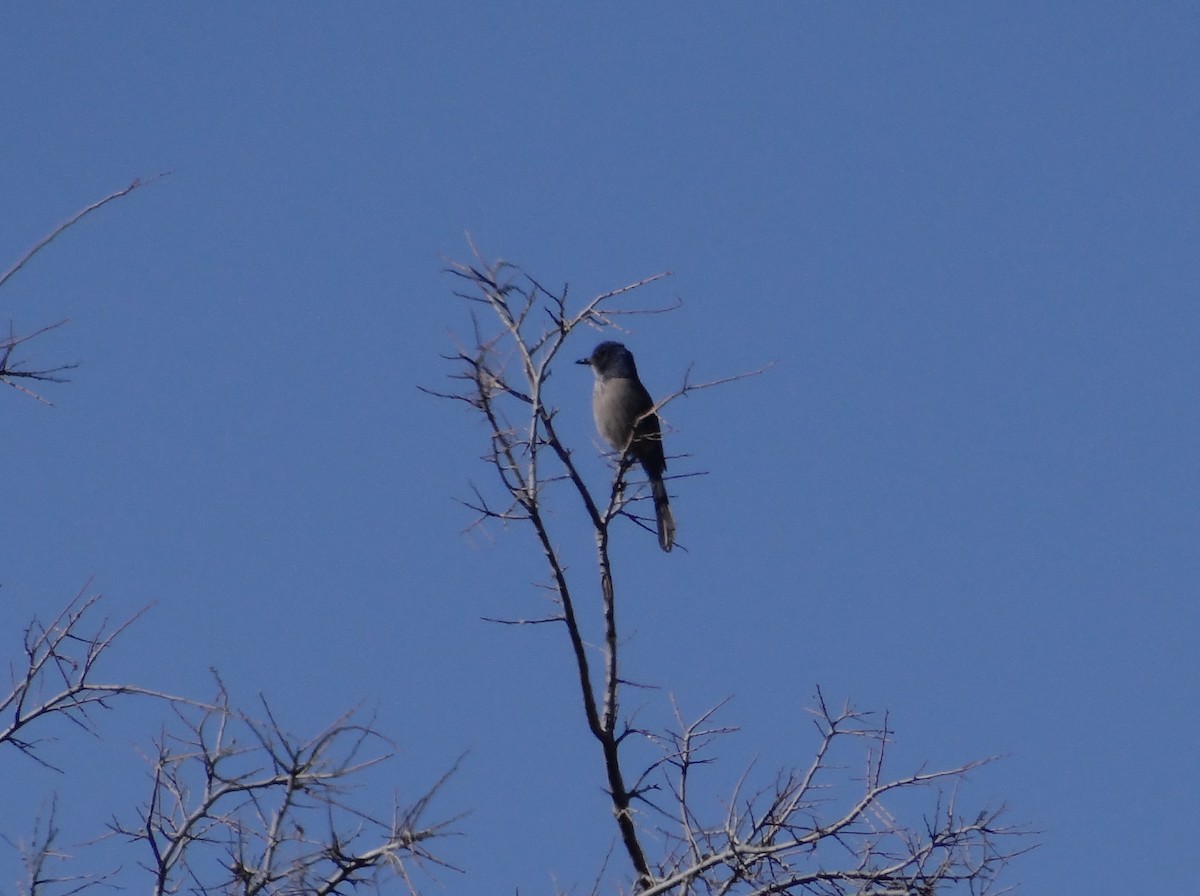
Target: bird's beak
[{"x": 584, "y": 361}]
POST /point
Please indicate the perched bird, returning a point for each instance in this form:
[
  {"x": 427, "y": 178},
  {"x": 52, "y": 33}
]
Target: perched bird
[{"x": 623, "y": 411}]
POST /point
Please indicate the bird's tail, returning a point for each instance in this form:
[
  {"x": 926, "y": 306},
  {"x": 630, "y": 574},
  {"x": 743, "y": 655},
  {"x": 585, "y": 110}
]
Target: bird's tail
[{"x": 662, "y": 512}]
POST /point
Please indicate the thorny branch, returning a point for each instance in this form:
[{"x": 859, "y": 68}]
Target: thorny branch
[
  {"x": 12, "y": 369},
  {"x": 276, "y": 807},
  {"x": 237, "y": 804},
  {"x": 44, "y": 862},
  {"x": 505, "y": 374},
  {"x": 792, "y": 837},
  {"x": 57, "y": 676}
]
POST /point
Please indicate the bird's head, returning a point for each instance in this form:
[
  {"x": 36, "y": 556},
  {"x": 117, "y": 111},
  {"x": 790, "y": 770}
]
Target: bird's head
[{"x": 610, "y": 359}]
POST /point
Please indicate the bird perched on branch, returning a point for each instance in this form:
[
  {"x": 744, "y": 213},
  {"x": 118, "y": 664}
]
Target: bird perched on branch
[{"x": 625, "y": 417}]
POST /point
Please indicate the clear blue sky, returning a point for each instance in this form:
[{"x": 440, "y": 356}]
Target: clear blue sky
[{"x": 967, "y": 493}]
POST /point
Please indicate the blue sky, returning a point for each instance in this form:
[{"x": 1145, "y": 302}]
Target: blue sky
[{"x": 967, "y": 493}]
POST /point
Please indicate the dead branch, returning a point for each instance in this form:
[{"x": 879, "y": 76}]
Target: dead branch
[
  {"x": 43, "y": 861},
  {"x": 238, "y": 804},
  {"x": 797, "y": 836},
  {"x": 56, "y": 679},
  {"x": 75, "y": 219},
  {"x": 808, "y": 832},
  {"x": 12, "y": 369}
]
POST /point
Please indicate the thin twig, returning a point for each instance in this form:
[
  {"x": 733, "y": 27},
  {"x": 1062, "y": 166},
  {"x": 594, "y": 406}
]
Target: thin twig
[{"x": 74, "y": 219}]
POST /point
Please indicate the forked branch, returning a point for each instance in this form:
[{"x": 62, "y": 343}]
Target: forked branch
[
  {"x": 809, "y": 831},
  {"x": 237, "y": 804},
  {"x": 56, "y": 680},
  {"x": 13, "y": 371}
]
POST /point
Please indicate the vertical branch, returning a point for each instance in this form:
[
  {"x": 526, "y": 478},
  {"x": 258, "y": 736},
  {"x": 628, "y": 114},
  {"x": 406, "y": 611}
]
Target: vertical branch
[
  {"x": 805, "y": 834},
  {"x": 513, "y": 307}
]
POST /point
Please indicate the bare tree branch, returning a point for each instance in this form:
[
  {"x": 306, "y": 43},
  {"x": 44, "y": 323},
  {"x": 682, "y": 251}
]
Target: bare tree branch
[
  {"x": 11, "y": 369},
  {"x": 801, "y": 834},
  {"x": 42, "y": 860},
  {"x": 238, "y": 804},
  {"x": 75, "y": 219},
  {"x": 57, "y": 676}
]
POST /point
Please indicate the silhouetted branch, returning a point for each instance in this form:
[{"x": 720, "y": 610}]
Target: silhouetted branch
[
  {"x": 75, "y": 219},
  {"x": 814, "y": 831},
  {"x": 11, "y": 369},
  {"x": 43, "y": 862},
  {"x": 801, "y": 835},
  {"x": 238, "y": 804},
  {"x": 57, "y": 678}
]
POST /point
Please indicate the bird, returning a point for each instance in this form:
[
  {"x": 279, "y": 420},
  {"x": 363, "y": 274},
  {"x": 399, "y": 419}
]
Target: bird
[{"x": 625, "y": 418}]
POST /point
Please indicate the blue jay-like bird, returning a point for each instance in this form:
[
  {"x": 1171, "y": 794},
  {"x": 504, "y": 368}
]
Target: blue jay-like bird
[{"x": 623, "y": 411}]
